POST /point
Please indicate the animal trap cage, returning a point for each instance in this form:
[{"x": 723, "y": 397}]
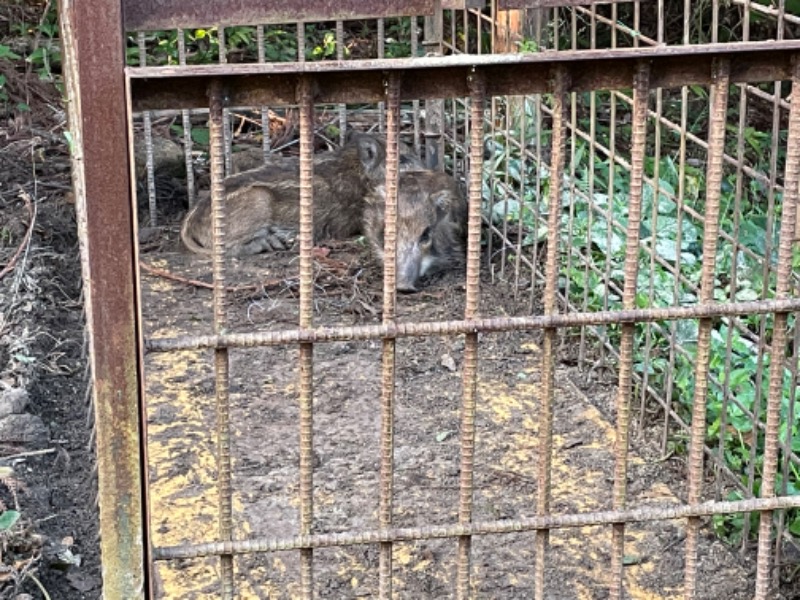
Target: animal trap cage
[{"x": 628, "y": 301}]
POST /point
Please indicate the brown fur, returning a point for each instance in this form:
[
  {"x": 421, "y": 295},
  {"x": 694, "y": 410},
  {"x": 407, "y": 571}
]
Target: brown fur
[
  {"x": 253, "y": 158},
  {"x": 431, "y": 225},
  {"x": 263, "y": 204}
]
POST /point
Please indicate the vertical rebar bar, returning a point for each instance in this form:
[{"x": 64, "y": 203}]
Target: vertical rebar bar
[
  {"x": 434, "y": 108},
  {"x": 641, "y": 91},
  {"x": 560, "y": 84},
  {"x": 492, "y": 185},
  {"x": 716, "y": 148},
  {"x": 680, "y": 209},
  {"x": 342, "y": 108},
  {"x": 791, "y": 197},
  {"x": 221, "y": 374},
  {"x": 415, "y": 102},
  {"x": 301, "y": 42},
  {"x": 186, "y": 122},
  {"x": 477, "y": 89},
  {"x": 381, "y": 34},
  {"x": 736, "y": 246},
  {"x": 226, "y": 118},
  {"x": 647, "y": 371},
  {"x": 147, "y": 124},
  {"x": 777, "y": 113},
  {"x": 392, "y": 85},
  {"x": 305, "y": 101},
  {"x": 591, "y": 186},
  {"x": 266, "y": 142},
  {"x": 786, "y": 446},
  {"x": 767, "y": 272},
  {"x": 538, "y": 187},
  {"x": 522, "y": 123}
]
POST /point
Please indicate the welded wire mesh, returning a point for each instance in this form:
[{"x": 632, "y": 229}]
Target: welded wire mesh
[{"x": 616, "y": 214}]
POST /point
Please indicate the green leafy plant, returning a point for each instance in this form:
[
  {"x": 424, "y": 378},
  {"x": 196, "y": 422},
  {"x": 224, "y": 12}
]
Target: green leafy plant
[{"x": 594, "y": 220}]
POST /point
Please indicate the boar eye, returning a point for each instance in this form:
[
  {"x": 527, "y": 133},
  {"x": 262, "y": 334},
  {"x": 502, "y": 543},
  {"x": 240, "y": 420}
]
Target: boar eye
[{"x": 425, "y": 238}]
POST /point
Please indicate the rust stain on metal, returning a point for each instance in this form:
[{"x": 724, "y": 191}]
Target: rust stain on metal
[
  {"x": 156, "y": 88},
  {"x": 94, "y": 60},
  {"x": 175, "y": 14}
]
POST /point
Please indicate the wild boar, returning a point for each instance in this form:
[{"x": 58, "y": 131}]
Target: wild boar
[
  {"x": 263, "y": 204},
  {"x": 431, "y": 225}
]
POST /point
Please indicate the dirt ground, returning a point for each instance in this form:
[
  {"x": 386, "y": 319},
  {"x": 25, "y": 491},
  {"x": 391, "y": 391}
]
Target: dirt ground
[
  {"x": 53, "y": 547},
  {"x": 265, "y": 450}
]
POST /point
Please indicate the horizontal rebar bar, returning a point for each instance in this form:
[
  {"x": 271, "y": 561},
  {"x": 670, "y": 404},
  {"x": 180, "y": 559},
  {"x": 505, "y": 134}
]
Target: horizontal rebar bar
[
  {"x": 432, "y": 77},
  {"x": 488, "y": 325},
  {"x": 375, "y": 536}
]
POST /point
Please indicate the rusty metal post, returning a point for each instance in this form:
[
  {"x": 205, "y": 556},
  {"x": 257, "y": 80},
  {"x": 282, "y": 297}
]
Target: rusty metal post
[
  {"x": 434, "y": 109},
  {"x": 560, "y": 81},
  {"x": 716, "y": 148},
  {"x": 641, "y": 90},
  {"x": 477, "y": 88},
  {"x": 779, "y": 335},
  {"x": 94, "y": 59},
  {"x": 305, "y": 99},
  {"x": 389, "y": 343},
  {"x": 217, "y": 117}
]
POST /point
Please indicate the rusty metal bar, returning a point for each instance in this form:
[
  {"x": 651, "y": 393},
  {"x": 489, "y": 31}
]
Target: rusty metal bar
[
  {"x": 787, "y": 455},
  {"x": 779, "y": 335},
  {"x": 186, "y": 122},
  {"x": 389, "y": 343},
  {"x": 592, "y": 139},
  {"x": 560, "y": 82},
  {"x": 491, "y": 325},
  {"x": 266, "y": 142},
  {"x": 415, "y": 103},
  {"x": 716, "y": 144},
  {"x": 651, "y": 287},
  {"x": 381, "y": 31},
  {"x": 221, "y": 362},
  {"x": 767, "y": 270},
  {"x": 641, "y": 91},
  {"x": 172, "y": 14},
  {"x": 734, "y": 283},
  {"x": 301, "y": 44},
  {"x": 253, "y": 84},
  {"x": 342, "y": 108},
  {"x": 432, "y": 42},
  {"x": 305, "y": 100},
  {"x": 227, "y": 132},
  {"x": 104, "y": 207},
  {"x": 477, "y": 87},
  {"x": 563, "y": 521},
  {"x": 523, "y": 184},
  {"x": 147, "y": 125}
]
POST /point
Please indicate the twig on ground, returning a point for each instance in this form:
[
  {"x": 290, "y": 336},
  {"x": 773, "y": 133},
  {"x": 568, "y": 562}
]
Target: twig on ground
[
  {"x": 27, "y": 454},
  {"x": 204, "y": 284}
]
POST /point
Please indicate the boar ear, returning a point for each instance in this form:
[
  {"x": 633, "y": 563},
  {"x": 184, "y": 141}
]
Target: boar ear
[{"x": 370, "y": 151}]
